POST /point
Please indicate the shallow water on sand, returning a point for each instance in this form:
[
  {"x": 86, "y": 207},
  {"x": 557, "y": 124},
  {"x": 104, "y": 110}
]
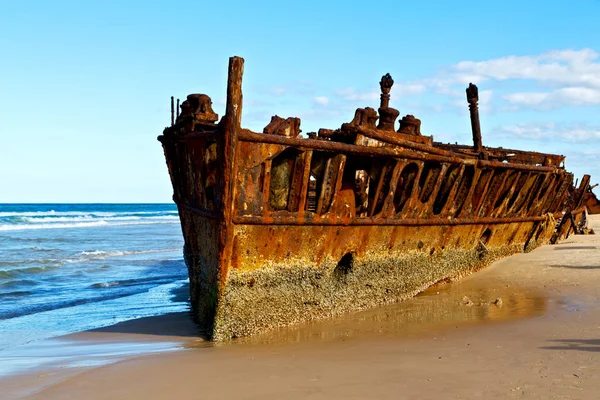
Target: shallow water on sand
[{"x": 451, "y": 305}]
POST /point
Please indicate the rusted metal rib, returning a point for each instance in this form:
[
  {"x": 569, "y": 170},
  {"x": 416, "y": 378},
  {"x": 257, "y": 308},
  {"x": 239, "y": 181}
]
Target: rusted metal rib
[
  {"x": 388, "y": 203},
  {"x": 266, "y": 182},
  {"x": 427, "y": 207},
  {"x": 449, "y": 205},
  {"x": 412, "y": 202},
  {"x": 305, "y": 181},
  {"x": 379, "y": 195}
]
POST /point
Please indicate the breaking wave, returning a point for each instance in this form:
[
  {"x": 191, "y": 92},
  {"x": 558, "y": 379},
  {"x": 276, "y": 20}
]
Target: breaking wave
[
  {"x": 101, "y": 254},
  {"x": 33, "y": 266},
  {"x": 46, "y": 220},
  {"x": 54, "y": 258},
  {"x": 52, "y": 213}
]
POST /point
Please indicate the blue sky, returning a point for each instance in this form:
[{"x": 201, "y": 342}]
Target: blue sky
[{"x": 85, "y": 85}]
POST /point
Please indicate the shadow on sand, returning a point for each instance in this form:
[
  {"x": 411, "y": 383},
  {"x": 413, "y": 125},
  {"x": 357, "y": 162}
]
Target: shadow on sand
[
  {"x": 592, "y": 345},
  {"x": 577, "y": 266},
  {"x": 173, "y": 324},
  {"x": 558, "y": 247}
]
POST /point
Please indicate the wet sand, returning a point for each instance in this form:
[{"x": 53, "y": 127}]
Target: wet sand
[{"x": 526, "y": 327}]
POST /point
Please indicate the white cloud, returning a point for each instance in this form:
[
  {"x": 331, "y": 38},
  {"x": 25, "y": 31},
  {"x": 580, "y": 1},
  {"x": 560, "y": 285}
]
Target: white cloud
[
  {"x": 550, "y": 131},
  {"x": 408, "y": 89},
  {"x": 321, "y": 100},
  {"x": 564, "y": 67},
  {"x": 572, "y": 78},
  {"x": 292, "y": 88},
  {"x": 350, "y": 94},
  {"x": 400, "y": 89},
  {"x": 485, "y": 100},
  {"x": 278, "y": 91},
  {"x": 570, "y": 96}
]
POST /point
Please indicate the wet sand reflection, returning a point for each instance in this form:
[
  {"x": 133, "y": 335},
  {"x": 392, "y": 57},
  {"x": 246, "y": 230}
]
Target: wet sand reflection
[{"x": 440, "y": 307}]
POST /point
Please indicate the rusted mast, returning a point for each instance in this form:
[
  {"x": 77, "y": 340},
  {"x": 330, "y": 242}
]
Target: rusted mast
[{"x": 473, "y": 98}]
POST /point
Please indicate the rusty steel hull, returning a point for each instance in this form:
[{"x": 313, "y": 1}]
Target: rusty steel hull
[
  {"x": 281, "y": 229},
  {"x": 278, "y": 286}
]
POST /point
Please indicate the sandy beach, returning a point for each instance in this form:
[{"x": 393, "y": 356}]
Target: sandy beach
[{"x": 526, "y": 327}]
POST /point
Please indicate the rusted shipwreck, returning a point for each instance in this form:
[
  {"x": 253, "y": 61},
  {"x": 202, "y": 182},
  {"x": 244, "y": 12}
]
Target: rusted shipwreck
[{"x": 280, "y": 229}]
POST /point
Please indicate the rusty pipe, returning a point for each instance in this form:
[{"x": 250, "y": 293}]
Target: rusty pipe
[
  {"x": 172, "y": 112},
  {"x": 473, "y": 98}
]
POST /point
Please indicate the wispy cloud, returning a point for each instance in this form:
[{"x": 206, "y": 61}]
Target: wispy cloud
[
  {"x": 563, "y": 67},
  {"x": 351, "y": 94},
  {"x": 289, "y": 88},
  {"x": 572, "y": 78},
  {"x": 570, "y": 96},
  {"x": 401, "y": 89},
  {"x": 321, "y": 100},
  {"x": 571, "y": 133},
  {"x": 277, "y": 91}
]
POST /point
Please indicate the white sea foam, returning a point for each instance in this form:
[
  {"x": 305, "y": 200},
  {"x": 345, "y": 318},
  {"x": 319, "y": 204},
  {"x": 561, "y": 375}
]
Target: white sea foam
[
  {"x": 52, "y": 226},
  {"x": 81, "y": 213},
  {"x": 102, "y": 254},
  {"x": 106, "y": 284},
  {"x": 90, "y": 218},
  {"x": 97, "y": 223}
]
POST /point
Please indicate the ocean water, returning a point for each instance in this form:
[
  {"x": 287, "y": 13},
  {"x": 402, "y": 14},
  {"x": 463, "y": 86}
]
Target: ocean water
[{"x": 71, "y": 267}]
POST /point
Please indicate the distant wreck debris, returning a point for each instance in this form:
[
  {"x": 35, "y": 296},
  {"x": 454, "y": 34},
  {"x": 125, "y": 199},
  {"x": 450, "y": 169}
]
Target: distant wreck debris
[
  {"x": 281, "y": 229},
  {"x": 591, "y": 201}
]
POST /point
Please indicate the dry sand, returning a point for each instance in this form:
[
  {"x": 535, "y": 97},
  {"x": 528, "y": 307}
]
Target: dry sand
[{"x": 541, "y": 340}]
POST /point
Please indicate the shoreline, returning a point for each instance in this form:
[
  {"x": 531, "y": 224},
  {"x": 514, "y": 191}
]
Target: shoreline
[{"x": 543, "y": 333}]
